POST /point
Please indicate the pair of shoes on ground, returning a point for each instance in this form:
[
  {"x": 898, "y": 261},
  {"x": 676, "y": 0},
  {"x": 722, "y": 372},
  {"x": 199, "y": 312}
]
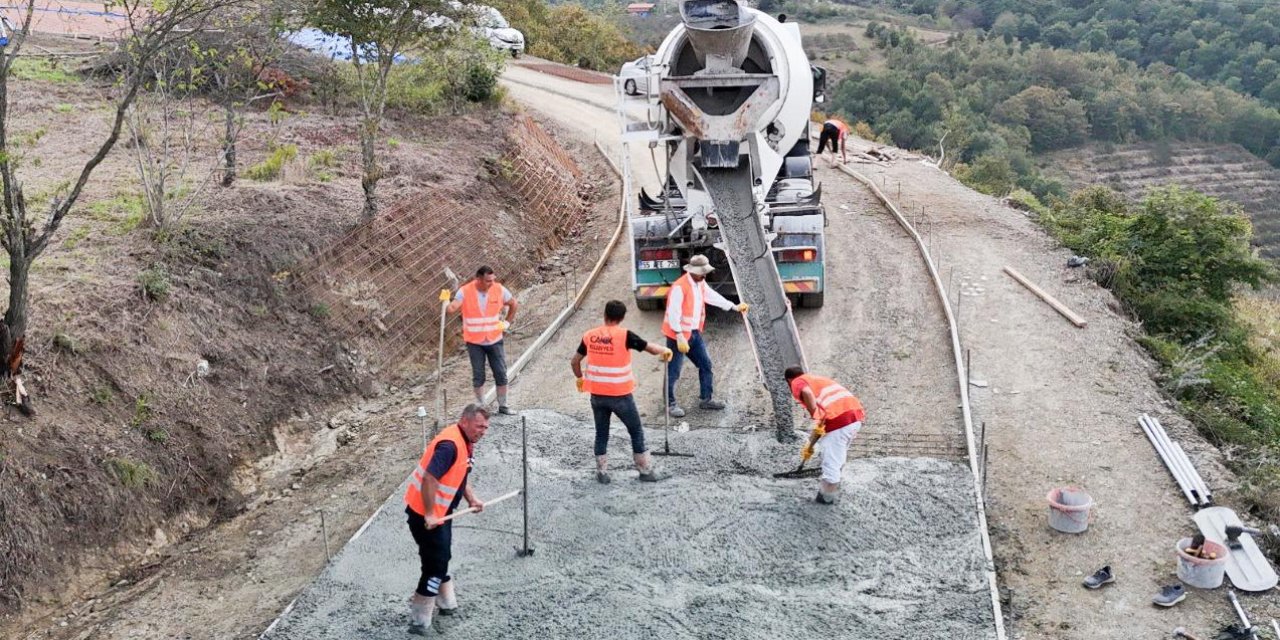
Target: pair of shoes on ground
[
  {"x": 1169, "y": 595},
  {"x": 709, "y": 405}
]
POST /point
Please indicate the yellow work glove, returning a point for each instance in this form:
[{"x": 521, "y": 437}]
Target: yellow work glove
[
  {"x": 582, "y": 385},
  {"x": 503, "y": 325},
  {"x": 742, "y": 307},
  {"x": 682, "y": 345},
  {"x": 806, "y": 452},
  {"x": 445, "y": 295},
  {"x": 666, "y": 355}
]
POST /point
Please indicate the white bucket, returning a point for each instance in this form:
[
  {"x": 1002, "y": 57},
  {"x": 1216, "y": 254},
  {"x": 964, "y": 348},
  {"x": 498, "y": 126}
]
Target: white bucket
[
  {"x": 1202, "y": 573},
  {"x": 1069, "y": 509}
]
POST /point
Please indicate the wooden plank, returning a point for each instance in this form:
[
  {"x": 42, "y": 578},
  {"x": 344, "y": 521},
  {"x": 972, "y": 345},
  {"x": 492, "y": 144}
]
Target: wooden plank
[{"x": 1053, "y": 302}]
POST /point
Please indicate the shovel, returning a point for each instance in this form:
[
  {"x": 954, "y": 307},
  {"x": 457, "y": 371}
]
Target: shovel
[
  {"x": 800, "y": 471},
  {"x": 444, "y": 307},
  {"x": 666, "y": 421}
]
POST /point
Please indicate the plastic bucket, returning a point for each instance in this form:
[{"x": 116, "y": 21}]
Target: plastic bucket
[
  {"x": 1202, "y": 573},
  {"x": 1069, "y": 509}
]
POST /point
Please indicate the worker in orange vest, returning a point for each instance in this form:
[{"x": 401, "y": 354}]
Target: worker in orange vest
[
  {"x": 482, "y": 302},
  {"x": 837, "y": 416},
  {"x": 686, "y": 315},
  {"x": 435, "y": 489},
  {"x": 607, "y": 376},
  {"x": 834, "y": 131}
]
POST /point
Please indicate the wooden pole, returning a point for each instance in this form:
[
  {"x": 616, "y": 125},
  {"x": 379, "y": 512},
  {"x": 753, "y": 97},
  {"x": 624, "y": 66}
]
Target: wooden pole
[{"x": 1052, "y": 301}]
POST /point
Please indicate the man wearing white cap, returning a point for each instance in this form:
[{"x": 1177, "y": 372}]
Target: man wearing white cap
[{"x": 685, "y": 317}]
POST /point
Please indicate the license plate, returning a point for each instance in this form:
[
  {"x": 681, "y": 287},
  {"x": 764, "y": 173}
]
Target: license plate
[{"x": 659, "y": 264}]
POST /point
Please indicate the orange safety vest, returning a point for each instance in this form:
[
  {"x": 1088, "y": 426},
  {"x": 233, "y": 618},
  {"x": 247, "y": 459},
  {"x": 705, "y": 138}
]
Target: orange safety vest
[
  {"x": 449, "y": 485},
  {"x": 844, "y": 128},
  {"x": 832, "y": 399},
  {"x": 607, "y": 371},
  {"x": 480, "y": 326},
  {"x": 686, "y": 285}
]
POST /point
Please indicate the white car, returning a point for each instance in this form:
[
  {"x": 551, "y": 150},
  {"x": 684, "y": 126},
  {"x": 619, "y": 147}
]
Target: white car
[
  {"x": 494, "y": 27},
  {"x": 635, "y": 76}
]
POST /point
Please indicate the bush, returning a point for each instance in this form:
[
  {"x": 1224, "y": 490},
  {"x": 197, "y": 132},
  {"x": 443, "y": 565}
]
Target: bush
[
  {"x": 270, "y": 168},
  {"x": 131, "y": 474},
  {"x": 155, "y": 283}
]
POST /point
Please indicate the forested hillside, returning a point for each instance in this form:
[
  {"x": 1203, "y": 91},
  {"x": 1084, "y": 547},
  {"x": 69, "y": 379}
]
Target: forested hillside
[
  {"x": 999, "y": 103},
  {"x": 1236, "y": 44}
]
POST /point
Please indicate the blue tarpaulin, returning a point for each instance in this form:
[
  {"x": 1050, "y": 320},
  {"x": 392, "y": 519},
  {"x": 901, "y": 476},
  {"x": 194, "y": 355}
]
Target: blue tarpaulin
[{"x": 333, "y": 46}]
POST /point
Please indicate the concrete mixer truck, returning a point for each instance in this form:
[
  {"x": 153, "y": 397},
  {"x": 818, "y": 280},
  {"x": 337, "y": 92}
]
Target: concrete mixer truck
[{"x": 727, "y": 107}]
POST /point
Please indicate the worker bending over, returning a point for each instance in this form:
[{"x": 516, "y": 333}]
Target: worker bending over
[
  {"x": 834, "y": 131},
  {"x": 435, "y": 488},
  {"x": 683, "y": 323},
  {"x": 837, "y": 416},
  {"x": 482, "y": 301},
  {"x": 608, "y": 377}
]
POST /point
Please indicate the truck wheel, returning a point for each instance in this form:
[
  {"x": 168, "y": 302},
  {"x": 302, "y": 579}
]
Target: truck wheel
[
  {"x": 630, "y": 87},
  {"x": 811, "y": 300},
  {"x": 649, "y": 304}
]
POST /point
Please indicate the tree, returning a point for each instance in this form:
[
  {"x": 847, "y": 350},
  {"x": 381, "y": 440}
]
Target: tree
[
  {"x": 381, "y": 32},
  {"x": 153, "y": 28},
  {"x": 1054, "y": 119}
]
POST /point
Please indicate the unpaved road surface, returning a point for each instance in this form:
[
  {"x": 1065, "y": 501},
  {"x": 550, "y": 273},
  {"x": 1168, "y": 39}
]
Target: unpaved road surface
[
  {"x": 1061, "y": 409},
  {"x": 720, "y": 550}
]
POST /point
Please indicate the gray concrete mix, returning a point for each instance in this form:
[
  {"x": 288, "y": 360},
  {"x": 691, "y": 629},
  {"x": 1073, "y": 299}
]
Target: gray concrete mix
[{"x": 719, "y": 550}]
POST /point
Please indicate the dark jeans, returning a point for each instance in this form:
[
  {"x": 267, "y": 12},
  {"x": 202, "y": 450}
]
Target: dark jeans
[
  {"x": 830, "y": 134},
  {"x": 700, "y": 359},
  {"x": 497, "y": 361},
  {"x": 604, "y": 408},
  {"x": 434, "y": 550}
]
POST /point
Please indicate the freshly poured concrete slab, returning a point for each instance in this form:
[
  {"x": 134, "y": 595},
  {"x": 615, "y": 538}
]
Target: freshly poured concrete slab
[{"x": 719, "y": 550}]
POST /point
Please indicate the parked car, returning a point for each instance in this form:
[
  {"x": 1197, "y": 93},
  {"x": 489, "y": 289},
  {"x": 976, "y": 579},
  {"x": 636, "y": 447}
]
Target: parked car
[
  {"x": 493, "y": 26},
  {"x": 636, "y": 74}
]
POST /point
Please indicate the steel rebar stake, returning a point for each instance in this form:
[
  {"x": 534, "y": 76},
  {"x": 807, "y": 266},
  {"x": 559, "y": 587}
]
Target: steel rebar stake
[{"x": 524, "y": 494}]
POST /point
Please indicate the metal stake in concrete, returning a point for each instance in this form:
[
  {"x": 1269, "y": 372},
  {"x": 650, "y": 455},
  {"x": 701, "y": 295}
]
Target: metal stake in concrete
[
  {"x": 526, "y": 551},
  {"x": 324, "y": 532}
]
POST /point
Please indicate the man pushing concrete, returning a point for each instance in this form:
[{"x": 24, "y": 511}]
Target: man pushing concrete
[
  {"x": 608, "y": 377},
  {"x": 435, "y": 488},
  {"x": 482, "y": 302},
  {"x": 837, "y": 416},
  {"x": 683, "y": 323}
]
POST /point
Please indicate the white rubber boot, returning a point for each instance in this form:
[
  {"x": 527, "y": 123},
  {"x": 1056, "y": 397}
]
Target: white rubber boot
[
  {"x": 420, "y": 610},
  {"x": 448, "y": 598}
]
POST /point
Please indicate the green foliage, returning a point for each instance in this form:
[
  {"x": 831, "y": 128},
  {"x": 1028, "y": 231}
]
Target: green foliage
[
  {"x": 141, "y": 410},
  {"x": 64, "y": 342},
  {"x": 571, "y": 33},
  {"x": 319, "y": 311},
  {"x": 101, "y": 395},
  {"x": 63, "y": 107},
  {"x": 75, "y": 237},
  {"x": 154, "y": 283},
  {"x": 159, "y": 435},
  {"x": 125, "y": 211},
  {"x": 323, "y": 158},
  {"x": 130, "y": 473},
  {"x": 40, "y": 70},
  {"x": 270, "y": 168}
]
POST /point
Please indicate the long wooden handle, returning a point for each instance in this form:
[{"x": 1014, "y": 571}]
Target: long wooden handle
[{"x": 505, "y": 496}]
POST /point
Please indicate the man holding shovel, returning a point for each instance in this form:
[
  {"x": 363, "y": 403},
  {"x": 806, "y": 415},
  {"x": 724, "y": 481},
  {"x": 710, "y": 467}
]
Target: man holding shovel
[
  {"x": 682, "y": 324},
  {"x": 435, "y": 489},
  {"x": 607, "y": 376},
  {"x": 482, "y": 302},
  {"x": 837, "y": 416}
]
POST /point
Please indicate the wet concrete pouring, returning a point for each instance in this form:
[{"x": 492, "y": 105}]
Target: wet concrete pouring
[{"x": 719, "y": 550}]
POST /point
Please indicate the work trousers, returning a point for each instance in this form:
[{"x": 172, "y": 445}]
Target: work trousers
[
  {"x": 434, "y": 551},
  {"x": 699, "y": 357},
  {"x": 830, "y": 134},
  {"x": 493, "y": 353},
  {"x": 604, "y": 408}
]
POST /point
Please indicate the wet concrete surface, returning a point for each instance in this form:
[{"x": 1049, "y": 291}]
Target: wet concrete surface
[{"x": 719, "y": 550}]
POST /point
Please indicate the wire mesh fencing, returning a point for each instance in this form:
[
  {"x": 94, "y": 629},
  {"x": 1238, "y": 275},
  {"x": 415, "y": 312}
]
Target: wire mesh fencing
[{"x": 379, "y": 283}]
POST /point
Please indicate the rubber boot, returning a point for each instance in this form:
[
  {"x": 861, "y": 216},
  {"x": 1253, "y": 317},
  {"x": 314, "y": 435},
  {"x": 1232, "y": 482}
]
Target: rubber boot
[
  {"x": 827, "y": 492},
  {"x": 448, "y": 598},
  {"x": 420, "y": 609},
  {"x": 602, "y": 470},
  {"x": 645, "y": 466}
]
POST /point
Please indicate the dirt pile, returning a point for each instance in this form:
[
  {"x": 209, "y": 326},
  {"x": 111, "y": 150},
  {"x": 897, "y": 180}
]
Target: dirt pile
[{"x": 719, "y": 550}]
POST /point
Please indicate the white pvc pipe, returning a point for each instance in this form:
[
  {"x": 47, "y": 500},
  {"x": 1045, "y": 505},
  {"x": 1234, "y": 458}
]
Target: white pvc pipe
[{"x": 1174, "y": 470}]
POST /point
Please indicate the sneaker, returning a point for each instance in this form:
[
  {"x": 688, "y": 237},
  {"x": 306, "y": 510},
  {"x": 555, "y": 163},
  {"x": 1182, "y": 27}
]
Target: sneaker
[
  {"x": 653, "y": 475},
  {"x": 603, "y": 477},
  {"x": 1100, "y": 577},
  {"x": 505, "y": 410},
  {"x": 676, "y": 411},
  {"x": 823, "y": 499},
  {"x": 417, "y": 629},
  {"x": 712, "y": 405},
  {"x": 1170, "y": 595}
]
